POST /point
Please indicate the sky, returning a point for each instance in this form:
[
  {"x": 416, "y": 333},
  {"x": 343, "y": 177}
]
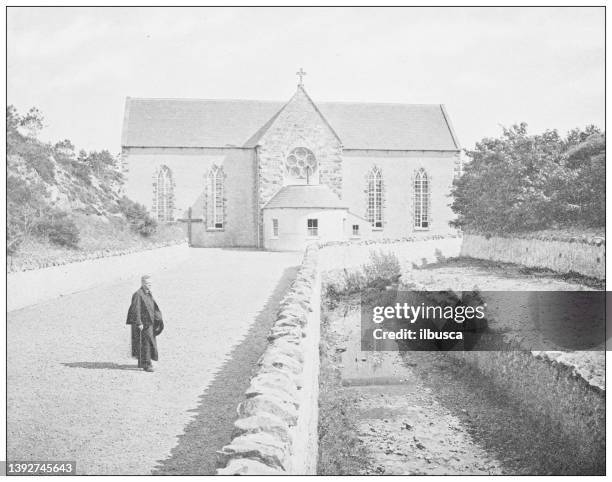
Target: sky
[{"x": 491, "y": 67}]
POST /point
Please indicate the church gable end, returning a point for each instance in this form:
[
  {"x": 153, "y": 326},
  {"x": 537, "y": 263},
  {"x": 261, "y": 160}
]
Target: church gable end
[{"x": 298, "y": 125}]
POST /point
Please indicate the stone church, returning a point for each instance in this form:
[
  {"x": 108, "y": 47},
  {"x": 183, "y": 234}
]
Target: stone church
[{"x": 278, "y": 175}]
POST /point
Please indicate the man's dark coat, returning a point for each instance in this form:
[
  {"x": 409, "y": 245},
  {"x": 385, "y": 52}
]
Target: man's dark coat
[{"x": 144, "y": 311}]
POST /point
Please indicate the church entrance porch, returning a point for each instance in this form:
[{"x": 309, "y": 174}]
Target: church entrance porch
[
  {"x": 294, "y": 229},
  {"x": 301, "y": 214}
]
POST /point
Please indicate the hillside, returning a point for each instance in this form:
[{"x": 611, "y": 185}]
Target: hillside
[{"x": 64, "y": 206}]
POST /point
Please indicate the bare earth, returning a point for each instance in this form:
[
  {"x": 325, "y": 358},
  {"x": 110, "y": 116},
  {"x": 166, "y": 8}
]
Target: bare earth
[
  {"x": 409, "y": 432},
  {"x": 74, "y": 392},
  {"x": 402, "y": 422},
  {"x": 423, "y": 413},
  {"x": 466, "y": 274}
]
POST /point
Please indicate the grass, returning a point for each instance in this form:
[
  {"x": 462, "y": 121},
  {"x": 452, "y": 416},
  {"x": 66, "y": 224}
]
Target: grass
[
  {"x": 98, "y": 236},
  {"x": 341, "y": 451},
  {"x": 517, "y": 270},
  {"x": 525, "y": 442}
]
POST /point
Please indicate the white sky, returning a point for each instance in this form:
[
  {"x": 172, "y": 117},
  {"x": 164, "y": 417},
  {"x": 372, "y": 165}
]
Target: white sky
[{"x": 490, "y": 66}]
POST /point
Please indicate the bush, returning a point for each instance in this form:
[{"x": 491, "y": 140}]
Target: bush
[
  {"x": 14, "y": 238},
  {"x": 81, "y": 171},
  {"x": 26, "y": 204},
  {"x": 343, "y": 283},
  {"x": 382, "y": 270},
  {"x": 59, "y": 229},
  {"x": 354, "y": 281},
  {"x": 586, "y": 187},
  {"x": 522, "y": 182},
  {"x": 38, "y": 157},
  {"x": 137, "y": 217}
]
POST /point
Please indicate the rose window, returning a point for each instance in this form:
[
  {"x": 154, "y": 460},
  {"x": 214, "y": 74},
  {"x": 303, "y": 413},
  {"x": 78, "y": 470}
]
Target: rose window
[{"x": 301, "y": 163}]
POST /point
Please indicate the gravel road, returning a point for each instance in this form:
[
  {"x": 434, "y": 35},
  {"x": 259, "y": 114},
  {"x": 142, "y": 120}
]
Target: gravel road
[{"x": 74, "y": 392}]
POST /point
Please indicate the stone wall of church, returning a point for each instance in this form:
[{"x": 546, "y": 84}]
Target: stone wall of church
[
  {"x": 398, "y": 170},
  {"x": 189, "y": 167},
  {"x": 298, "y": 125}
]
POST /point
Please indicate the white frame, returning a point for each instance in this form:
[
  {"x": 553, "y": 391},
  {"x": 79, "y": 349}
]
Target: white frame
[{"x": 309, "y": 228}]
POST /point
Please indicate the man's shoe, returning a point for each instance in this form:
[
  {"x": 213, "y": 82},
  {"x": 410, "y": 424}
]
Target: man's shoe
[{"x": 149, "y": 369}]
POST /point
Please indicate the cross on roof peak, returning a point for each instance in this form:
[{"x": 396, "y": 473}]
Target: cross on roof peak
[{"x": 300, "y": 73}]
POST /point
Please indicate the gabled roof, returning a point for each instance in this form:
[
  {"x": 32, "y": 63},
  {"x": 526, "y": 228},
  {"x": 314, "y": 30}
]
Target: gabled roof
[
  {"x": 317, "y": 196},
  {"x": 254, "y": 141},
  {"x": 413, "y": 127},
  {"x": 240, "y": 123},
  {"x": 194, "y": 122}
]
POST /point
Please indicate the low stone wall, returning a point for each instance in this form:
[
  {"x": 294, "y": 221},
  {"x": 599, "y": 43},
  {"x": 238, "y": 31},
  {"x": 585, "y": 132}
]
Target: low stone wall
[
  {"x": 276, "y": 432},
  {"x": 277, "y": 429},
  {"x": 25, "y": 288},
  {"x": 548, "y": 389},
  {"x": 409, "y": 251},
  {"x": 586, "y": 256},
  {"x": 76, "y": 256}
]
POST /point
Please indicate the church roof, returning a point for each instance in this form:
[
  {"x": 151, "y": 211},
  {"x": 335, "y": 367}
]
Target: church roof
[
  {"x": 317, "y": 196},
  {"x": 239, "y": 123}
]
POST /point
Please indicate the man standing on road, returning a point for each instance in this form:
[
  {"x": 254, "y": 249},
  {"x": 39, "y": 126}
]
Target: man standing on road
[{"x": 146, "y": 320}]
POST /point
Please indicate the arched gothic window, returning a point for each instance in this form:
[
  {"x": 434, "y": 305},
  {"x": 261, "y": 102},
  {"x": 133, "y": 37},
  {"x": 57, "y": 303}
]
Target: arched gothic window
[
  {"x": 163, "y": 195},
  {"x": 215, "y": 204},
  {"x": 375, "y": 198},
  {"x": 301, "y": 165},
  {"x": 421, "y": 200}
]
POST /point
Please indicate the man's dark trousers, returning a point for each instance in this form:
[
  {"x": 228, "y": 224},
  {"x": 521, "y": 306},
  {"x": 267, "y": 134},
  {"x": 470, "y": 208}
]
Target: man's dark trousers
[{"x": 145, "y": 347}]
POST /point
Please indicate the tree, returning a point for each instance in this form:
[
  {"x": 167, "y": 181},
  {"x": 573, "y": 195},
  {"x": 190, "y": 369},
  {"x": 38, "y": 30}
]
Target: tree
[
  {"x": 81, "y": 167},
  {"x": 527, "y": 182},
  {"x": 26, "y": 204},
  {"x": 64, "y": 149},
  {"x": 13, "y": 136},
  {"x": 577, "y": 135},
  {"x": 35, "y": 153},
  {"x": 59, "y": 228},
  {"x": 586, "y": 186},
  {"x": 137, "y": 217},
  {"x": 30, "y": 210},
  {"x": 100, "y": 162},
  {"x": 32, "y": 122}
]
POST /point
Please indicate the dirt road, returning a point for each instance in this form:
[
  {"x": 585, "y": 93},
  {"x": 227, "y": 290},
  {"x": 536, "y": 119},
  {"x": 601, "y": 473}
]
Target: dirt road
[{"x": 74, "y": 392}]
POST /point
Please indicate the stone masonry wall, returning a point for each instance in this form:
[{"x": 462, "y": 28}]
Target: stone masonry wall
[
  {"x": 398, "y": 169},
  {"x": 583, "y": 256},
  {"x": 415, "y": 250},
  {"x": 299, "y": 124},
  {"x": 189, "y": 168},
  {"x": 276, "y": 432}
]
